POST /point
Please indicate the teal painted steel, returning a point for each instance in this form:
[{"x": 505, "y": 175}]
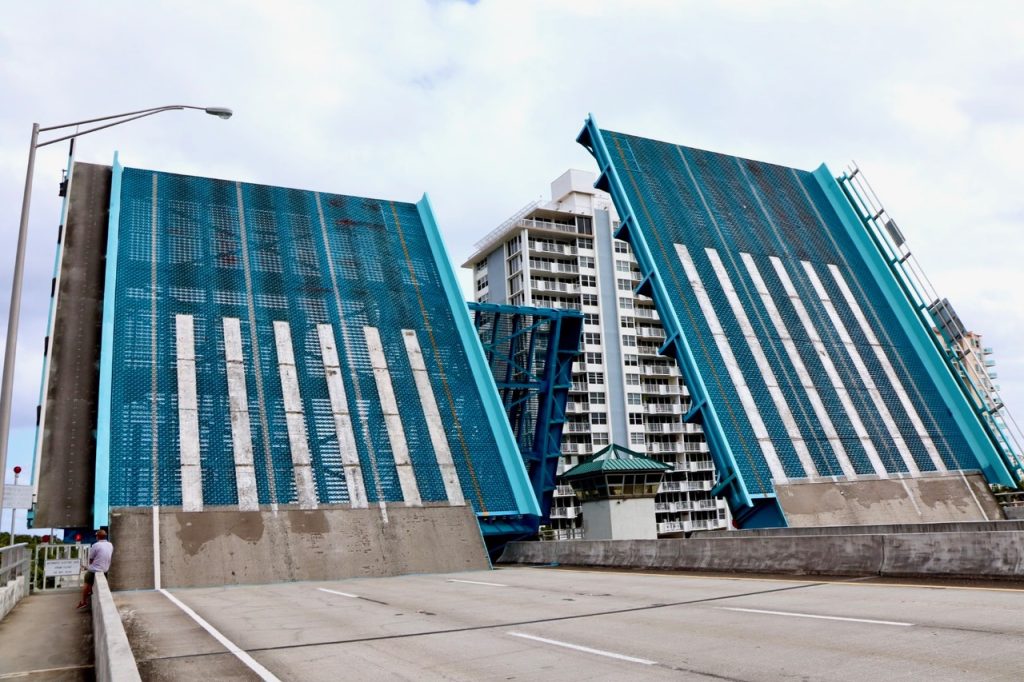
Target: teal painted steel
[
  {"x": 730, "y": 484},
  {"x": 101, "y": 494},
  {"x": 530, "y": 352},
  {"x": 215, "y": 249},
  {"x": 922, "y": 338},
  {"x": 525, "y": 500},
  {"x": 793, "y": 350}
]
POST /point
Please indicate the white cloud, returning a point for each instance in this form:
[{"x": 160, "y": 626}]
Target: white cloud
[{"x": 480, "y": 105}]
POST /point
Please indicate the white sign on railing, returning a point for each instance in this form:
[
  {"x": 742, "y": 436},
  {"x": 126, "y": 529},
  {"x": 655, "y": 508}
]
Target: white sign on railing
[
  {"x": 17, "y": 496},
  {"x": 60, "y": 567}
]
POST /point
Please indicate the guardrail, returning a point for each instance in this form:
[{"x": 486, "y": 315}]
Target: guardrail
[
  {"x": 15, "y": 572},
  {"x": 113, "y": 654}
]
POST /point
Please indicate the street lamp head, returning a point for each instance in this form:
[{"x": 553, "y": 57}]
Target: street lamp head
[{"x": 219, "y": 112}]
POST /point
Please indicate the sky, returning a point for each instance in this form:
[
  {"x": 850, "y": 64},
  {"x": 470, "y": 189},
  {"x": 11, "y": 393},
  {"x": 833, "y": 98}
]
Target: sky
[{"x": 479, "y": 104}]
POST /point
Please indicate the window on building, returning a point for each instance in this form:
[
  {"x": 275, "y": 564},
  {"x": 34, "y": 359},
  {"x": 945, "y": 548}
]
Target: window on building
[
  {"x": 594, "y": 358},
  {"x": 627, "y": 323},
  {"x": 591, "y": 318},
  {"x": 598, "y": 418},
  {"x": 636, "y": 418},
  {"x": 516, "y": 283},
  {"x": 630, "y": 360},
  {"x": 634, "y": 399},
  {"x": 592, "y": 338},
  {"x": 625, "y": 303},
  {"x": 513, "y": 245},
  {"x": 632, "y": 379},
  {"x": 481, "y": 283},
  {"x": 588, "y": 299},
  {"x": 622, "y": 266},
  {"x": 629, "y": 340},
  {"x": 515, "y": 264},
  {"x": 584, "y": 224},
  {"x": 595, "y": 377},
  {"x": 621, "y": 246},
  {"x": 597, "y": 398},
  {"x": 586, "y": 262},
  {"x": 624, "y": 284},
  {"x": 588, "y": 281},
  {"x": 585, "y": 243},
  {"x": 636, "y": 439},
  {"x": 600, "y": 439}
]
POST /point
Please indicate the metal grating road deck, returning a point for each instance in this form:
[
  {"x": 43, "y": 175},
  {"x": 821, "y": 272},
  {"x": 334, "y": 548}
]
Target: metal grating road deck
[
  {"x": 273, "y": 346},
  {"x": 796, "y": 350}
]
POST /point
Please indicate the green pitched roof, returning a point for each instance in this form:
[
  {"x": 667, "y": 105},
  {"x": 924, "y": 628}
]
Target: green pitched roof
[{"x": 616, "y": 458}]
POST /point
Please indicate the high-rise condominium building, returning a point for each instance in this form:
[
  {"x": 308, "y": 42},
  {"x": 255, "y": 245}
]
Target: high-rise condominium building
[{"x": 562, "y": 254}]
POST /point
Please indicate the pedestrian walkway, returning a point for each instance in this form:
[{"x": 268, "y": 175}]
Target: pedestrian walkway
[{"x": 45, "y": 638}]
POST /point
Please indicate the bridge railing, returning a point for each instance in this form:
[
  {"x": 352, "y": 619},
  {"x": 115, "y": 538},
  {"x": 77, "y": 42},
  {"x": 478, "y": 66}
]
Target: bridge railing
[{"x": 15, "y": 564}]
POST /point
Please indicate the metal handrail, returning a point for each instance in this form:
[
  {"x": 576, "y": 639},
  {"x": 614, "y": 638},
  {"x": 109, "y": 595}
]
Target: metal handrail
[{"x": 925, "y": 297}]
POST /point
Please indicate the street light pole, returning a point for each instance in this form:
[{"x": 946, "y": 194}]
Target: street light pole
[{"x": 14, "y": 313}]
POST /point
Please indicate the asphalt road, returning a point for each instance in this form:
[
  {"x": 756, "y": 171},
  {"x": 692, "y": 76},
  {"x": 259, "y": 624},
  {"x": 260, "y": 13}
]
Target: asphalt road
[{"x": 547, "y": 623}]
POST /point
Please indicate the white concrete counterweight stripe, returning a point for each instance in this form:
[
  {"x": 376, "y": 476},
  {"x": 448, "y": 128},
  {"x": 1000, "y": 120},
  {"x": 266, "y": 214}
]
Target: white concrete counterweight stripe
[
  {"x": 342, "y": 417},
  {"x": 770, "y": 381},
  {"x": 732, "y": 366},
  {"x": 305, "y": 489},
  {"x": 188, "y": 415},
  {"x": 438, "y": 437},
  {"x": 862, "y": 370},
  {"x": 801, "y": 370},
  {"x": 890, "y": 372},
  {"x": 830, "y": 368},
  {"x": 238, "y": 405},
  {"x": 392, "y": 420}
]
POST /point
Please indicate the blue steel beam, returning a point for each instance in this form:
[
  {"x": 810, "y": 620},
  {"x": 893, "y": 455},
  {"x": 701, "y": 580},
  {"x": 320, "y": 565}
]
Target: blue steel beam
[{"x": 511, "y": 345}]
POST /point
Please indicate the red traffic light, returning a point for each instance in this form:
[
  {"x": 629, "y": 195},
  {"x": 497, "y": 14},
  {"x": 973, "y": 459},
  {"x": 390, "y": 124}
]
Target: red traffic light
[
  {"x": 17, "y": 470},
  {"x": 78, "y": 537}
]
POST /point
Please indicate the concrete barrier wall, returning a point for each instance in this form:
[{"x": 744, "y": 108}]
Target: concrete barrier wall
[
  {"x": 225, "y": 547},
  {"x": 114, "y": 660},
  {"x": 989, "y": 554},
  {"x": 11, "y": 594},
  {"x": 884, "y": 529}
]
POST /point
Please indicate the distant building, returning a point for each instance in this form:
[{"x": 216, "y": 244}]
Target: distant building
[{"x": 562, "y": 254}]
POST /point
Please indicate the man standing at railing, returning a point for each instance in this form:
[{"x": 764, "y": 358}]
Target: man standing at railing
[{"x": 99, "y": 562}]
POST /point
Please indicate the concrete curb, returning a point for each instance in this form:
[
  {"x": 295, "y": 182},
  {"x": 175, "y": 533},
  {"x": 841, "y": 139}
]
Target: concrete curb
[
  {"x": 994, "y": 554},
  {"x": 114, "y": 658}
]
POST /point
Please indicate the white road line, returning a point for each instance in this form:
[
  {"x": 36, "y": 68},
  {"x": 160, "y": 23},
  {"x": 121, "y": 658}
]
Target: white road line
[
  {"x": 435, "y": 427},
  {"x": 585, "y": 649},
  {"x": 295, "y": 418},
  {"x": 476, "y": 582},
  {"x": 887, "y": 367},
  {"x": 801, "y": 369},
  {"x": 771, "y": 382},
  {"x": 342, "y": 417},
  {"x": 862, "y": 370},
  {"x": 732, "y": 366},
  {"x": 188, "y": 415},
  {"x": 340, "y": 594},
  {"x": 811, "y": 615},
  {"x": 239, "y": 653},
  {"x": 238, "y": 409},
  {"x": 392, "y": 419}
]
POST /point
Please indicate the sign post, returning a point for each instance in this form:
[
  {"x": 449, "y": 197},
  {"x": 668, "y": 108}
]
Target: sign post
[{"x": 16, "y": 497}]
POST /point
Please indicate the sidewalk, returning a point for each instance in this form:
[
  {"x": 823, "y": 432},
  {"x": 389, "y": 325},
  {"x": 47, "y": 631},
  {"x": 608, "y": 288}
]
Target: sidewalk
[{"x": 45, "y": 638}]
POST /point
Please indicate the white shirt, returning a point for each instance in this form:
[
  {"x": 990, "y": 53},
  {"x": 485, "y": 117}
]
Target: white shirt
[{"x": 99, "y": 556}]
